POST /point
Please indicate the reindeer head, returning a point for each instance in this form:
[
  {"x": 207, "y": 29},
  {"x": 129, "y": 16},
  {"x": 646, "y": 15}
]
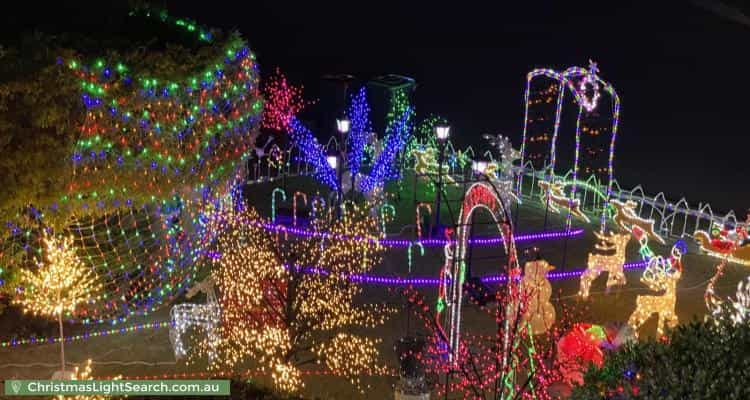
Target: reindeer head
[
  {"x": 554, "y": 187},
  {"x": 659, "y": 273},
  {"x": 612, "y": 241}
]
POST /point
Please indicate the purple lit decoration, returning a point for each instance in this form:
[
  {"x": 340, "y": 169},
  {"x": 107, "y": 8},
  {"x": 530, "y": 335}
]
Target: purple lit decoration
[
  {"x": 313, "y": 153},
  {"x": 430, "y": 281},
  {"x": 385, "y": 168},
  {"x": 359, "y": 115},
  {"x": 485, "y": 241}
]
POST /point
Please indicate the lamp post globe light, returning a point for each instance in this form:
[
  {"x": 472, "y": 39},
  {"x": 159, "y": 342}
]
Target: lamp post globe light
[
  {"x": 343, "y": 125},
  {"x": 442, "y": 132}
]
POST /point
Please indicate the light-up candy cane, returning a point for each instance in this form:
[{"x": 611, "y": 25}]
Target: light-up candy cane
[
  {"x": 273, "y": 202},
  {"x": 419, "y": 217},
  {"x": 294, "y": 205},
  {"x": 421, "y": 251},
  {"x": 383, "y": 209},
  {"x": 444, "y": 283}
]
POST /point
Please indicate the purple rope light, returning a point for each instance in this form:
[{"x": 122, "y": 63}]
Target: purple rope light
[
  {"x": 430, "y": 281},
  {"x": 486, "y": 241}
]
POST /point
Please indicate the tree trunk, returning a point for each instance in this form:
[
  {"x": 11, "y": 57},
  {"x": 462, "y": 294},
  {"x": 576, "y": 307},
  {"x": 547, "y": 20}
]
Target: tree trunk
[{"x": 62, "y": 343}]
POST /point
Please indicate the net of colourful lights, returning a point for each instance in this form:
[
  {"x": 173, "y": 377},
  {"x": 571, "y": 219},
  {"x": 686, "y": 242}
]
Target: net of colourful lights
[{"x": 153, "y": 153}]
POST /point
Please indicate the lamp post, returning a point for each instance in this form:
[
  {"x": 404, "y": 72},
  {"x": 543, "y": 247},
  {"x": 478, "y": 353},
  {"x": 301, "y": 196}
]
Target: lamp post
[
  {"x": 333, "y": 161},
  {"x": 442, "y": 132},
  {"x": 343, "y": 126}
]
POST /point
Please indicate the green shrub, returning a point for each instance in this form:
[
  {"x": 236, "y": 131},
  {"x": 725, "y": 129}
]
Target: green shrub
[{"x": 701, "y": 360}]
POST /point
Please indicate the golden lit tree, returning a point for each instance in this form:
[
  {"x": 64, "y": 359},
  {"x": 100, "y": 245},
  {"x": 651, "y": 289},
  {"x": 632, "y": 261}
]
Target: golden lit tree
[
  {"x": 289, "y": 301},
  {"x": 59, "y": 285}
]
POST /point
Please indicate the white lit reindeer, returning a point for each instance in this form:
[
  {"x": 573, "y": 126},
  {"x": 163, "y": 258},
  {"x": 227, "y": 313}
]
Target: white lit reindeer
[
  {"x": 660, "y": 275},
  {"x": 187, "y": 315}
]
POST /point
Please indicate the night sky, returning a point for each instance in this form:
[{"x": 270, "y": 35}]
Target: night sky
[{"x": 679, "y": 67}]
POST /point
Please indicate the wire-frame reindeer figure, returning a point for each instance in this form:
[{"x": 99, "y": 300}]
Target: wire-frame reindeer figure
[
  {"x": 660, "y": 275},
  {"x": 188, "y": 315},
  {"x": 611, "y": 263}
]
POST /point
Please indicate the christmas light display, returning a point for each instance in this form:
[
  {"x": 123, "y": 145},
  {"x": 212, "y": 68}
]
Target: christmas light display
[
  {"x": 313, "y": 153},
  {"x": 356, "y": 140},
  {"x": 85, "y": 374},
  {"x": 539, "y": 312},
  {"x": 277, "y": 313},
  {"x": 578, "y": 349},
  {"x": 508, "y": 155},
  {"x": 554, "y": 198},
  {"x": 421, "y": 252},
  {"x": 387, "y": 212},
  {"x": 282, "y": 102},
  {"x": 612, "y": 264},
  {"x": 660, "y": 275},
  {"x": 426, "y": 165},
  {"x": 152, "y": 154},
  {"x": 273, "y": 201},
  {"x": 585, "y": 85},
  {"x": 204, "y": 316},
  {"x": 301, "y": 195},
  {"x": 385, "y": 169},
  {"x": 60, "y": 284},
  {"x": 626, "y": 218},
  {"x": 726, "y": 242},
  {"x": 737, "y": 309}
]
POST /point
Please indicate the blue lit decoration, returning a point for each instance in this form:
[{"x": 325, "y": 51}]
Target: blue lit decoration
[
  {"x": 385, "y": 168},
  {"x": 358, "y": 113},
  {"x": 313, "y": 153}
]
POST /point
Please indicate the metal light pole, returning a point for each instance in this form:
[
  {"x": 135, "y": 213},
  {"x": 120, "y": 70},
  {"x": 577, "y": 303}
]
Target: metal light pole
[
  {"x": 442, "y": 132},
  {"x": 343, "y": 126},
  {"x": 333, "y": 161}
]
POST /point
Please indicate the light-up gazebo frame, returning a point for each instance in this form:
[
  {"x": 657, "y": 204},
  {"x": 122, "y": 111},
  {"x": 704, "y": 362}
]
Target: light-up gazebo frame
[{"x": 585, "y": 85}]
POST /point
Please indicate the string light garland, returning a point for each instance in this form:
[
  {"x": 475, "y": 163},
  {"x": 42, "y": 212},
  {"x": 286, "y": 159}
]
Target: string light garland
[{"x": 83, "y": 336}]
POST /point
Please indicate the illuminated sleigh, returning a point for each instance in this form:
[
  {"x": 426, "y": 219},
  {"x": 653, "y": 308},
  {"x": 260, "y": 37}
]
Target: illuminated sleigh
[{"x": 721, "y": 244}]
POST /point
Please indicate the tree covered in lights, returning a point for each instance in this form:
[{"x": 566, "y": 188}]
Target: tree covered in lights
[
  {"x": 59, "y": 286},
  {"x": 288, "y": 303},
  {"x": 124, "y": 148}
]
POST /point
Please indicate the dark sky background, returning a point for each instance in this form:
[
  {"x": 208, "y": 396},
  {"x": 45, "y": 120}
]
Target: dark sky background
[{"x": 679, "y": 67}]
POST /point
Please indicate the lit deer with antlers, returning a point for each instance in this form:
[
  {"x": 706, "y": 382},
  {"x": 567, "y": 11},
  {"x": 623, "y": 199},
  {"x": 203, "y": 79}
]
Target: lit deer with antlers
[
  {"x": 660, "y": 275},
  {"x": 626, "y": 217},
  {"x": 612, "y": 264},
  {"x": 553, "y": 196},
  {"x": 187, "y": 315}
]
